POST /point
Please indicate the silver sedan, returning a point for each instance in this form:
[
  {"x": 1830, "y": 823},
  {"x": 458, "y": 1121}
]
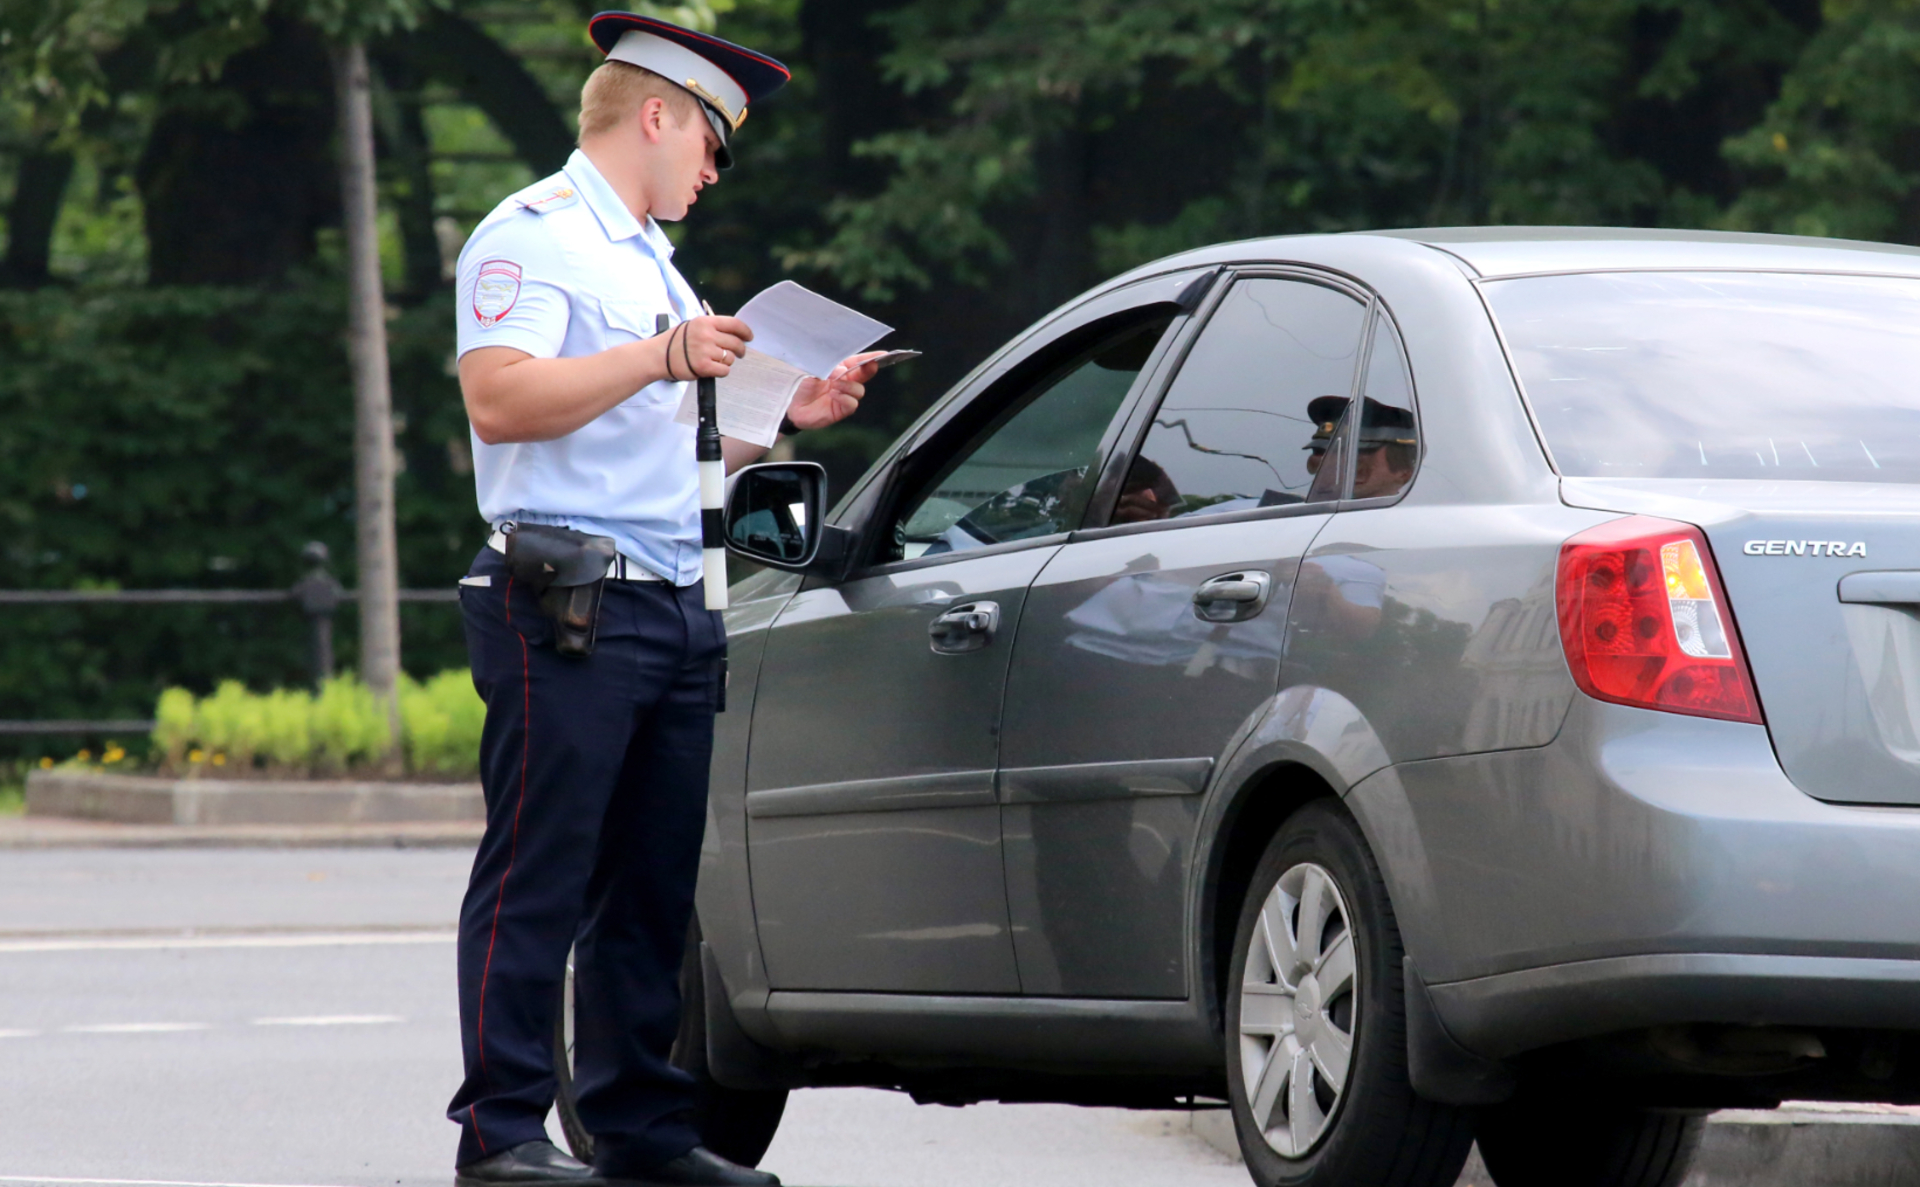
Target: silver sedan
[{"x": 1403, "y": 687}]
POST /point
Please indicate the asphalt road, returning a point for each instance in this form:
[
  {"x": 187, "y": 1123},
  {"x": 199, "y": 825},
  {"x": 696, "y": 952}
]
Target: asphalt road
[{"x": 286, "y": 1017}]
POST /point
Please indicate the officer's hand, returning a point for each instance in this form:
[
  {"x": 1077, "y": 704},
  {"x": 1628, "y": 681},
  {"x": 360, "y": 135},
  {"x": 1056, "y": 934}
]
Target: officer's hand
[
  {"x": 821, "y": 402},
  {"x": 706, "y": 346}
]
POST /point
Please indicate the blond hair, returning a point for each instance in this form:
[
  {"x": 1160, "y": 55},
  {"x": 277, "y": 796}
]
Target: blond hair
[{"x": 616, "y": 89}]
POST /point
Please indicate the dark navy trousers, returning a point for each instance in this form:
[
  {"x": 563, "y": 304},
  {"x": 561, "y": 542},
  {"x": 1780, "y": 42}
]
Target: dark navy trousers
[{"x": 595, "y": 774}]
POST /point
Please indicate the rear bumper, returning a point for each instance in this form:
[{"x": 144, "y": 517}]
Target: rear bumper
[
  {"x": 1508, "y": 1013},
  {"x": 1645, "y": 869}
]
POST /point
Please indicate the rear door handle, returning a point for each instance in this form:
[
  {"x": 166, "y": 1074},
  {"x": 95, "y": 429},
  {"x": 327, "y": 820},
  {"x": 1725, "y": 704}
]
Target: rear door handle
[
  {"x": 1233, "y": 597},
  {"x": 965, "y": 628}
]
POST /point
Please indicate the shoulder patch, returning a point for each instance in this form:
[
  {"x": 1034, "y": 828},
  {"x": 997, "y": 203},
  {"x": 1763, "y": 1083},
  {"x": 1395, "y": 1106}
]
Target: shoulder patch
[
  {"x": 547, "y": 201},
  {"x": 495, "y": 291}
]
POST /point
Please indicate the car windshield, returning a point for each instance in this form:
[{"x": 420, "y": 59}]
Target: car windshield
[{"x": 1720, "y": 374}]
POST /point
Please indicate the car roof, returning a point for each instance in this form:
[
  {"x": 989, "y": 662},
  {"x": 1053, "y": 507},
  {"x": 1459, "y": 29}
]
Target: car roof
[
  {"x": 1491, "y": 253},
  {"x": 1516, "y": 251}
]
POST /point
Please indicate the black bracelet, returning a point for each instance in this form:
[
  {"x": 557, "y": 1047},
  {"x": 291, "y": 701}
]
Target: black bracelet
[
  {"x": 668, "y": 359},
  {"x": 789, "y": 429},
  {"x": 686, "y": 353}
]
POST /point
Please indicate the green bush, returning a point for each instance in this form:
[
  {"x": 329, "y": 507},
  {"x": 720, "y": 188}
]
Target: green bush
[
  {"x": 231, "y": 723},
  {"x": 198, "y": 438},
  {"x": 287, "y": 741},
  {"x": 341, "y": 729},
  {"x": 173, "y": 725},
  {"x": 441, "y": 721},
  {"x": 347, "y": 725}
]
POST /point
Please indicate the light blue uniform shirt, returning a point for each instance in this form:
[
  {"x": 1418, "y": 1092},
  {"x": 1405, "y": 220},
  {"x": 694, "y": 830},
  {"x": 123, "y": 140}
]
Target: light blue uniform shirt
[{"x": 559, "y": 270}]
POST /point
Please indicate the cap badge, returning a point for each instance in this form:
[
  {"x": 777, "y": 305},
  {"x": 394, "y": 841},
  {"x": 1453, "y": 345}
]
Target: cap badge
[{"x": 713, "y": 101}]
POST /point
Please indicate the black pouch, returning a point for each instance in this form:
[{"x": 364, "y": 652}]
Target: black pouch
[{"x": 568, "y": 570}]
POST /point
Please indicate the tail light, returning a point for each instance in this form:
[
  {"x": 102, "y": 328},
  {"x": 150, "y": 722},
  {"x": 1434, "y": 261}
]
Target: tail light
[{"x": 1645, "y": 621}]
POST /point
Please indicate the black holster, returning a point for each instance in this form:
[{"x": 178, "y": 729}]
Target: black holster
[{"x": 568, "y": 571}]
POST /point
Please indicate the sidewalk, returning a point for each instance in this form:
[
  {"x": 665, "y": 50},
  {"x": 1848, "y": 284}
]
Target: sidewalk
[
  {"x": 52, "y": 832},
  {"x": 1800, "y": 1144}
]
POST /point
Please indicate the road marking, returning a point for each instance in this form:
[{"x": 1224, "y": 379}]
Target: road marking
[
  {"x": 139, "y": 1182},
  {"x": 133, "y": 1028},
  {"x": 18, "y": 1034},
  {"x": 280, "y": 940},
  {"x": 331, "y": 1020}
]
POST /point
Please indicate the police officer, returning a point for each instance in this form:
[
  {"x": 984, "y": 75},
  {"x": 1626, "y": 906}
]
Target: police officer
[
  {"x": 1384, "y": 456},
  {"x": 595, "y": 767}
]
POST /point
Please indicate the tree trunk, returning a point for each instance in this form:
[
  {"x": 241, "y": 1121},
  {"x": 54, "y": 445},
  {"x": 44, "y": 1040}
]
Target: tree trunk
[
  {"x": 39, "y": 188},
  {"x": 234, "y": 179},
  {"x": 403, "y": 132},
  {"x": 372, "y": 398},
  {"x": 459, "y": 52}
]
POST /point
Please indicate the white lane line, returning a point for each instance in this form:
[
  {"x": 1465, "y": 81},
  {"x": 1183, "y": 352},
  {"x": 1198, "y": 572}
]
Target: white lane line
[
  {"x": 133, "y": 1028},
  {"x": 331, "y": 1020},
  {"x": 284, "y": 940},
  {"x": 139, "y": 1182},
  {"x": 18, "y": 1034}
]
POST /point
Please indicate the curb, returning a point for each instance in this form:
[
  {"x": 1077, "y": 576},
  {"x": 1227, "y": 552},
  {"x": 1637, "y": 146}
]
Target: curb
[
  {"x": 152, "y": 800},
  {"x": 30, "y": 832},
  {"x": 1804, "y": 1145},
  {"x": 1809, "y": 1146}
]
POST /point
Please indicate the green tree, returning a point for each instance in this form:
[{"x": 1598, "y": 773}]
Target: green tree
[
  {"x": 958, "y": 166},
  {"x": 1837, "y": 153}
]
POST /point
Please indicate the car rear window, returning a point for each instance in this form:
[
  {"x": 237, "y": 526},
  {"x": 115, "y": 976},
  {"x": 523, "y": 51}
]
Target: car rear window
[{"x": 1720, "y": 374}]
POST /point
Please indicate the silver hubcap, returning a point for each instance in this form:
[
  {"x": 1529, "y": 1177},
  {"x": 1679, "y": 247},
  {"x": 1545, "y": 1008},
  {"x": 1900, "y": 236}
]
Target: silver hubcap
[{"x": 1299, "y": 1004}]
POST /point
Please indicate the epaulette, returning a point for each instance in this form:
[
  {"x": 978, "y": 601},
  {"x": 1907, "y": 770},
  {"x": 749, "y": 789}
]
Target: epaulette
[{"x": 547, "y": 198}]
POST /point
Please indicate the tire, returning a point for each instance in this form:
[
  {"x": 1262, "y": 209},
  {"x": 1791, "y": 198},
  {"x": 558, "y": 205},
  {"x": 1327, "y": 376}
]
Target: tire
[
  {"x": 734, "y": 1123},
  {"x": 1544, "y": 1140},
  {"x": 1316, "y": 1031}
]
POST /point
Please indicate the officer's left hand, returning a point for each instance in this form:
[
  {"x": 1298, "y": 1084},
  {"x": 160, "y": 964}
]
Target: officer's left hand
[{"x": 821, "y": 402}]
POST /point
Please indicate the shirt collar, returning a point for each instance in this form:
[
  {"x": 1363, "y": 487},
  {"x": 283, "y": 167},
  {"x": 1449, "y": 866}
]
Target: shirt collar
[
  {"x": 606, "y": 205},
  {"x": 656, "y": 238}
]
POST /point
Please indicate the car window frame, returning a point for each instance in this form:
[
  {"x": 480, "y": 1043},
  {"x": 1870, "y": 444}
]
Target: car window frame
[
  {"x": 1147, "y": 403},
  {"x": 1030, "y": 359},
  {"x": 1378, "y": 316}
]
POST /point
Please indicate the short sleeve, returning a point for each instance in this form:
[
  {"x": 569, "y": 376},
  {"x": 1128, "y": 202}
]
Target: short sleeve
[{"x": 510, "y": 291}]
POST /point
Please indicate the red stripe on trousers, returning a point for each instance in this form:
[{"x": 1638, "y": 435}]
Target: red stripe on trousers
[{"x": 513, "y": 846}]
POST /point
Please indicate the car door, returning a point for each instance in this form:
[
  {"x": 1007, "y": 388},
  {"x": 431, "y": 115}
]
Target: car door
[
  {"x": 873, "y": 827},
  {"x": 1146, "y": 643}
]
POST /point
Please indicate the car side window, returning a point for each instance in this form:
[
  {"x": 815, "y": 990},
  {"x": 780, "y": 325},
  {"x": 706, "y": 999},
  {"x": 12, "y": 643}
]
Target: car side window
[
  {"x": 1032, "y": 469},
  {"x": 1249, "y": 419},
  {"x": 1389, "y": 444}
]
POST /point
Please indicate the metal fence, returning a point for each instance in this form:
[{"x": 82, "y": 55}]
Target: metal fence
[{"x": 318, "y": 595}]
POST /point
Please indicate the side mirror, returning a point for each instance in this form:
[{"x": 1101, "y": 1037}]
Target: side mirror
[{"x": 775, "y": 514}]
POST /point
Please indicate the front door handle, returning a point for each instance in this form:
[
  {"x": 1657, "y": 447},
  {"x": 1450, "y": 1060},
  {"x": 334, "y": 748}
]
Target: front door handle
[
  {"x": 965, "y": 628},
  {"x": 1233, "y": 597}
]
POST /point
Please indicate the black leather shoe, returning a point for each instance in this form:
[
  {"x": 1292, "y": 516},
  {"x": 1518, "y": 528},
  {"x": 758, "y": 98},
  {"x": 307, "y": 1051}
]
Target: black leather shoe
[
  {"x": 529, "y": 1162},
  {"x": 698, "y": 1167}
]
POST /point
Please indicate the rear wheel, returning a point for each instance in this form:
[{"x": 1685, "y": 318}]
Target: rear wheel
[
  {"x": 736, "y": 1124},
  {"x": 1316, "y": 1030},
  {"x": 1544, "y": 1140}
]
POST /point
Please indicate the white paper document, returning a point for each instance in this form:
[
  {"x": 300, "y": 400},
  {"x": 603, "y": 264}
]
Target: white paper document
[
  {"x": 799, "y": 326},
  {"x": 751, "y": 399},
  {"x": 796, "y": 334}
]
